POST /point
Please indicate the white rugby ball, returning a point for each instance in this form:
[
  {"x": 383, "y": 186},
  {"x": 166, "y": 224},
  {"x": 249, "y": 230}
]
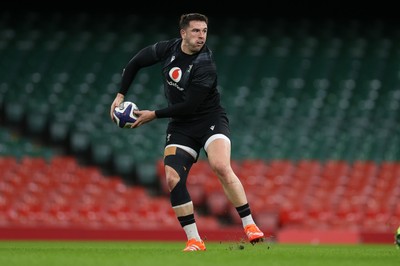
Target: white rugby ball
[{"x": 123, "y": 114}]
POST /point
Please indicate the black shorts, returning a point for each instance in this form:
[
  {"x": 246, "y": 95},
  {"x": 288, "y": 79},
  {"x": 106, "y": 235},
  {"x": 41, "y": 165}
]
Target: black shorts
[{"x": 195, "y": 134}]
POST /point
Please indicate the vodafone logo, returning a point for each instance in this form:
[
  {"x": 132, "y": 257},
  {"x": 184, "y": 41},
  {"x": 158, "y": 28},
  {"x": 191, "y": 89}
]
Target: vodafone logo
[{"x": 175, "y": 74}]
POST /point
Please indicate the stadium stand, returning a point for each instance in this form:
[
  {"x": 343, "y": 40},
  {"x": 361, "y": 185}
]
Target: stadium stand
[{"x": 320, "y": 101}]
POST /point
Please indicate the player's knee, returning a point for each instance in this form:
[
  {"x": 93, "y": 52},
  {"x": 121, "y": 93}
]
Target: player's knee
[
  {"x": 177, "y": 165},
  {"x": 221, "y": 169},
  {"x": 171, "y": 177}
]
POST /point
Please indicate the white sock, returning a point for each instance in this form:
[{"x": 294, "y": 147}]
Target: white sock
[
  {"x": 191, "y": 231},
  {"x": 247, "y": 220}
]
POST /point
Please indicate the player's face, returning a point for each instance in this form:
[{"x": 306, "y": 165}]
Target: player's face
[{"x": 194, "y": 37}]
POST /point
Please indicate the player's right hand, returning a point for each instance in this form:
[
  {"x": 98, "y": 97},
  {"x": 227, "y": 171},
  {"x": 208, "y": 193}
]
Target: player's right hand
[{"x": 119, "y": 98}]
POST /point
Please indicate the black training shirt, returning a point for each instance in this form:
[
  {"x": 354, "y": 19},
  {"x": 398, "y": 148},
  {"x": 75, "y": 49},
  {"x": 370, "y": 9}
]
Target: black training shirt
[{"x": 190, "y": 81}]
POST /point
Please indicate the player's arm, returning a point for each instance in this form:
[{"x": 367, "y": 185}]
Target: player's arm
[
  {"x": 194, "y": 98},
  {"x": 197, "y": 93},
  {"x": 145, "y": 57}
]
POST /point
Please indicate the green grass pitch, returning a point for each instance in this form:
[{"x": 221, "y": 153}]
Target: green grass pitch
[{"x": 134, "y": 253}]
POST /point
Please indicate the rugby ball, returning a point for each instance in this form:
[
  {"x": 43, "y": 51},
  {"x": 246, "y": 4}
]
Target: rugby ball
[{"x": 123, "y": 114}]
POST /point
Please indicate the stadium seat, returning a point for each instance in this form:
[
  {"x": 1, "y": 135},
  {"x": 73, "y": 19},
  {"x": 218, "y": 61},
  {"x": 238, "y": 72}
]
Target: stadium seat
[{"x": 325, "y": 94}]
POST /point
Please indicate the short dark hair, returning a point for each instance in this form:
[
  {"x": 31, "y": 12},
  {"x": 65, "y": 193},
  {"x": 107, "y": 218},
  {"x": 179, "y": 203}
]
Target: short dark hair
[{"x": 186, "y": 18}]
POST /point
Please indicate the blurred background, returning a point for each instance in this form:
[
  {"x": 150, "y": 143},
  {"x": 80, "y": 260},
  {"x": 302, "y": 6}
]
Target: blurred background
[{"x": 312, "y": 92}]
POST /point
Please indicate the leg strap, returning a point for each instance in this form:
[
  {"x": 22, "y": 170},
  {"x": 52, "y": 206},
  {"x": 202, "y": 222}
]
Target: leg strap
[{"x": 181, "y": 161}]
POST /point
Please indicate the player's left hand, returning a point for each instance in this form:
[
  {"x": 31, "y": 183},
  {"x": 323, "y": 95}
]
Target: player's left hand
[{"x": 144, "y": 116}]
